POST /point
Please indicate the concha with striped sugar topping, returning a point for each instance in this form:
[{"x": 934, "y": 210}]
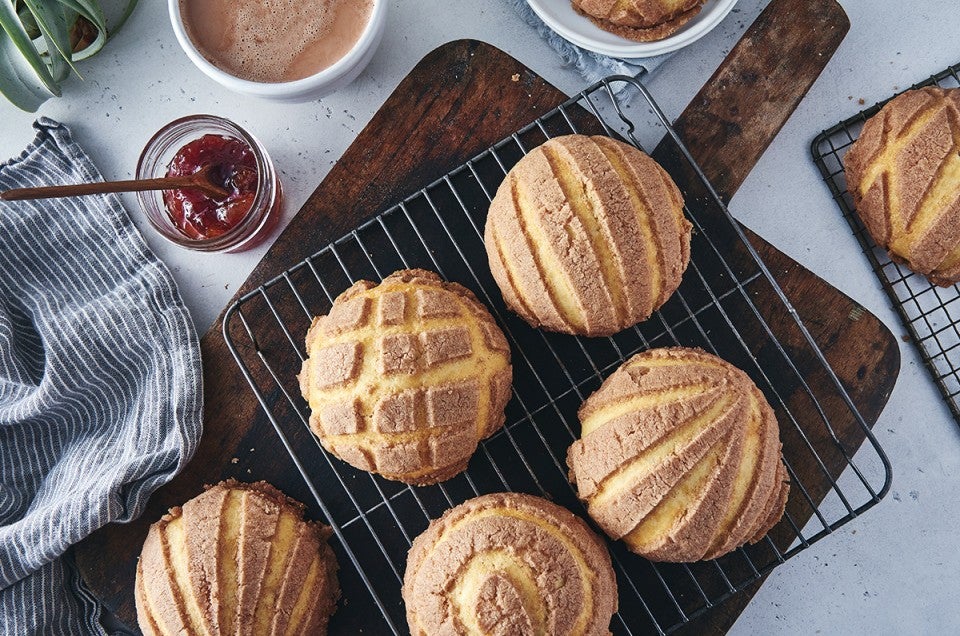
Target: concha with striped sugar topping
[
  {"x": 586, "y": 235},
  {"x": 904, "y": 175},
  {"x": 639, "y": 20},
  {"x": 237, "y": 559},
  {"x": 509, "y": 564},
  {"x": 406, "y": 377},
  {"x": 680, "y": 457}
]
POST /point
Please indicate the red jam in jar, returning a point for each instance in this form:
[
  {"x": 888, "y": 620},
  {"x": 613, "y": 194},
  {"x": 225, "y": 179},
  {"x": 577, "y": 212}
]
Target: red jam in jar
[{"x": 196, "y": 213}]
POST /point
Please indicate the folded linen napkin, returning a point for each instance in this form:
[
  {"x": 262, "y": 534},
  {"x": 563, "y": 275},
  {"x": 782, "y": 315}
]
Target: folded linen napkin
[
  {"x": 592, "y": 66},
  {"x": 100, "y": 383}
]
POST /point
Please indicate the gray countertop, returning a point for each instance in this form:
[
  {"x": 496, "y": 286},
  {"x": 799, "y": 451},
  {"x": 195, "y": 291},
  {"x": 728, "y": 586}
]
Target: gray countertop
[{"x": 896, "y": 569}]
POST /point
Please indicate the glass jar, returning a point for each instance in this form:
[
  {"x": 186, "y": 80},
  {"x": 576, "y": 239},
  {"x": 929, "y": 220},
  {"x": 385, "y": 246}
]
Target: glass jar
[{"x": 160, "y": 151}]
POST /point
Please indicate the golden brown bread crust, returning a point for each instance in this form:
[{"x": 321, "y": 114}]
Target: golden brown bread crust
[
  {"x": 586, "y": 235},
  {"x": 640, "y": 20},
  {"x": 406, "y": 377},
  {"x": 680, "y": 457},
  {"x": 238, "y": 559},
  {"x": 509, "y": 564},
  {"x": 903, "y": 173}
]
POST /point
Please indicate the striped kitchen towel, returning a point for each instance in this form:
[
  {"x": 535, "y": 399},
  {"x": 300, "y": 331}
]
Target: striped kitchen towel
[{"x": 100, "y": 383}]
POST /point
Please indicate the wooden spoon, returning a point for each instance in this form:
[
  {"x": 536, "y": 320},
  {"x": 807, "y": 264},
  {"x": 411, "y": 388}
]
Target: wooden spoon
[{"x": 201, "y": 180}]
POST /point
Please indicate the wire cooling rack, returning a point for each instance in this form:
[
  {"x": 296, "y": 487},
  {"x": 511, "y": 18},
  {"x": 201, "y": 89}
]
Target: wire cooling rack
[
  {"x": 930, "y": 313},
  {"x": 728, "y": 304}
]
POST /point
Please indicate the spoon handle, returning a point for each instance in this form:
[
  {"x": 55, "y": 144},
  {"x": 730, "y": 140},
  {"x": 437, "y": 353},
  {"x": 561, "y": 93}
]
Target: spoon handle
[{"x": 81, "y": 189}]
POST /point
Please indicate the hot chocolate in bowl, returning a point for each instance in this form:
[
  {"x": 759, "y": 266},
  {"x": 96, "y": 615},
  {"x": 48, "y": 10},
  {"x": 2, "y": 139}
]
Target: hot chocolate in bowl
[{"x": 286, "y": 50}]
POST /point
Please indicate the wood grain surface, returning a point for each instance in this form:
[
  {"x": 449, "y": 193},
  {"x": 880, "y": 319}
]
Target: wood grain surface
[{"x": 459, "y": 100}]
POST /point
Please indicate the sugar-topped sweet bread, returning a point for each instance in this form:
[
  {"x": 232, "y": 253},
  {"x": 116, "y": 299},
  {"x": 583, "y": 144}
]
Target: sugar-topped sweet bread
[
  {"x": 679, "y": 457},
  {"x": 509, "y": 564},
  {"x": 639, "y": 20},
  {"x": 406, "y": 377},
  {"x": 586, "y": 235},
  {"x": 237, "y": 559},
  {"x": 904, "y": 175}
]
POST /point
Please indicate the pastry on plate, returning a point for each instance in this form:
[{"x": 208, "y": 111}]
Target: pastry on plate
[
  {"x": 238, "y": 558},
  {"x": 406, "y": 377},
  {"x": 586, "y": 235},
  {"x": 509, "y": 564},
  {"x": 904, "y": 175},
  {"x": 639, "y": 20},
  {"x": 679, "y": 457}
]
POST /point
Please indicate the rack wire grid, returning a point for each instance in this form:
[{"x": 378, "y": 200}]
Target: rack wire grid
[
  {"x": 930, "y": 313},
  {"x": 728, "y": 304}
]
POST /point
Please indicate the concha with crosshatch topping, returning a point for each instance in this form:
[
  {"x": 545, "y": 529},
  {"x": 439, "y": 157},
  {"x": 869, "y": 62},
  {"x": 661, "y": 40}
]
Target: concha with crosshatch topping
[
  {"x": 586, "y": 235},
  {"x": 406, "y": 377}
]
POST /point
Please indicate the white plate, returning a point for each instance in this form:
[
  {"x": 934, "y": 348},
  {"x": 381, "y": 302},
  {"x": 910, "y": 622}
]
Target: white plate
[{"x": 560, "y": 16}]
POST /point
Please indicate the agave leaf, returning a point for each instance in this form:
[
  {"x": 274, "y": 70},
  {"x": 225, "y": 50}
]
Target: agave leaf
[
  {"x": 20, "y": 41},
  {"x": 52, "y": 21},
  {"x": 18, "y": 81},
  {"x": 29, "y": 24},
  {"x": 90, "y": 9},
  {"x": 35, "y": 46},
  {"x": 131, "y": 5},
  {"x": 58, "y": 67},
  {"x": 102, "y": 34}
]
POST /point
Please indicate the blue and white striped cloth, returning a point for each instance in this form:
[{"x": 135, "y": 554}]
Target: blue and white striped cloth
[{"x": 100, "y": 383}]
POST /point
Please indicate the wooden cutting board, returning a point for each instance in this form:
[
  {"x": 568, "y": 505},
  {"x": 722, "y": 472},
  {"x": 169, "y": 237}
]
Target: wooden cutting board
[{"x": 459, "y": 100}]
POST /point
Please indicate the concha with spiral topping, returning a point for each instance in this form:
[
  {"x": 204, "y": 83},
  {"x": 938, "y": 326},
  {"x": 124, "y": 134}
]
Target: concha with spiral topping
[
  {"x": 509, "y": 564},
  {"x": 406, "y": 377},
  {"x": 586, "y": 235},
  {"x": 639, "y": 20},
  {"x": 237, "y": 559},
  {"x": 904, "y": 175},
  {"x": 679, "y": 457}
]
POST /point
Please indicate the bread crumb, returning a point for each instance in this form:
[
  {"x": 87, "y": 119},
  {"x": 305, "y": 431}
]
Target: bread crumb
[
  {"x": 234, "y": 460},
  {"x": 515, "y": 77},
  {"x": 861, "y": 101}
]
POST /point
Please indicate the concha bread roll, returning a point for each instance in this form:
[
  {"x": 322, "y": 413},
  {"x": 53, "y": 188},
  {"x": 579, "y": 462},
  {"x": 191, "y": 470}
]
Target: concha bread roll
[
  {"x": 904, "y": 175},
  {"x": 236, "y": 560},
  {"x": 679, "y": 457},
  {"x": 639, "y": 20},
  {"x": 406, "y": 377},
  {"x": 586, "y": 235},
  {"x": 509, "y": 564}
]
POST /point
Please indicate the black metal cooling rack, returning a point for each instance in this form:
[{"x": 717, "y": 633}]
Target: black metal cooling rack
[
  {"x": 440, "y": 228},
  {"x": 930, "y": 313}
]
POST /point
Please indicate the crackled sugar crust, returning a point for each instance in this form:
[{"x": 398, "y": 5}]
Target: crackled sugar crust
[
  {"x": 680, "y": 457},
  {"x": 237, "y": 559},
  {"x": 406, "y": 377},
  {"x": 509, "y": 564},
  {"x": 904, "y": 175},
  {"x": 586, "y": 235},
  {"x": 639, "y": 20}
]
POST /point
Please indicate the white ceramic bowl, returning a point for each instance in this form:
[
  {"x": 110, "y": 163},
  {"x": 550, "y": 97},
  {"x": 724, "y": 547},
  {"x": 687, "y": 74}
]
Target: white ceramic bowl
[
  {"x": 330, "y": 79},
  {"x": 560, "y": 16}
]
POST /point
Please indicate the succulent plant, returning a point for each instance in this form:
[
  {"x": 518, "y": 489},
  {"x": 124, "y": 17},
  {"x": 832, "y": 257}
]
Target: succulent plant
[{"x": 40, "y": 40}]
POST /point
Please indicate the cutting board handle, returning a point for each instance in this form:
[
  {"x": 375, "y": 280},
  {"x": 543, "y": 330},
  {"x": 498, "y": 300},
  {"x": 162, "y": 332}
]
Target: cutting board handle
[{"x": 740, "y": 110}]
